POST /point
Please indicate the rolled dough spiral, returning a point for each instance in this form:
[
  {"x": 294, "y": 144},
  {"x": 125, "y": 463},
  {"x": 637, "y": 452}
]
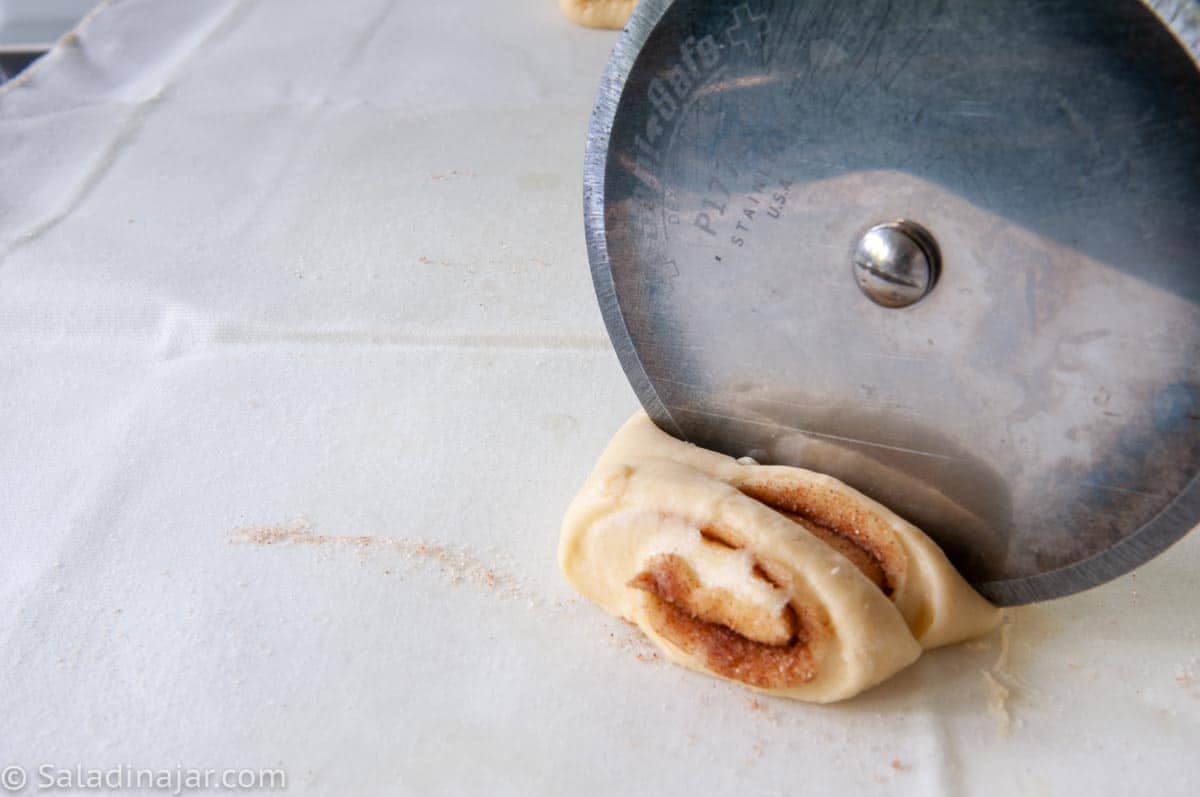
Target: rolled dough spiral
[{"x": 782, "y": 579}]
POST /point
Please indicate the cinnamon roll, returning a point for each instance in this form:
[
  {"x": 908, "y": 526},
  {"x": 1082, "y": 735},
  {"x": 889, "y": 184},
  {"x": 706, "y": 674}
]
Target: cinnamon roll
[{"x": 779, "y": 578}]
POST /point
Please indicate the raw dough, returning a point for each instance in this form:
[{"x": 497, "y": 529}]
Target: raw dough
[
  {"x": 782, "y": 579},
  {"x": 611, "y": 14}
]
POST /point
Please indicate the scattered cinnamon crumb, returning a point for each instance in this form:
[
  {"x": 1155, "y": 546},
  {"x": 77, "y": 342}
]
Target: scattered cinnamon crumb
[
  {"x": 1189, "y": 680},
  {"x": 630, "y": 639},
  {"x": 436, "y": 176},
  {"x": 456, "y": 564}
]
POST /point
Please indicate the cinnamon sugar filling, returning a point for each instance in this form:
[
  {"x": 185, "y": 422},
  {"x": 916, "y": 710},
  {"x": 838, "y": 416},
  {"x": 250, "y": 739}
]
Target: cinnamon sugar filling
[
  {"x": 738, "y": 641},
  {"x": 837, "y": 523}
]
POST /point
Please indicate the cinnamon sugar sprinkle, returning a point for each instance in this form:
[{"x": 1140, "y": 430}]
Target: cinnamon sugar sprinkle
[{"x": 456, "y": 564}]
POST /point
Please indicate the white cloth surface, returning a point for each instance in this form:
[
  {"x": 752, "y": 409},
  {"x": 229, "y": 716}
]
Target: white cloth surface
[{"x": 300, "y": 364}]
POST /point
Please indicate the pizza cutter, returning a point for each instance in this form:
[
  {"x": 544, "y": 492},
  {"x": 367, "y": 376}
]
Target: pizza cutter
[{"x": 946, "y": 252}]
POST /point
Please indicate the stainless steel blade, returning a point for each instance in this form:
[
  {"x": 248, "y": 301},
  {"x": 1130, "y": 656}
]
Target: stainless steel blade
[{"x": 1027, "y": 388}]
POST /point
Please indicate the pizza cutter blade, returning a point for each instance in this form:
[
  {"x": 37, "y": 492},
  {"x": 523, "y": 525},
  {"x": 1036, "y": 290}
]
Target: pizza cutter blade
[{"x": 945, "y": 252}]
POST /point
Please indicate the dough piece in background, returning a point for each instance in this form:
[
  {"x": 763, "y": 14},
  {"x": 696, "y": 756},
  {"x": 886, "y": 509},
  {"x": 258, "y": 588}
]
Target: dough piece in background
[
  {"x": 611, "y": 14},
  {"x": 783, "y": 579}
]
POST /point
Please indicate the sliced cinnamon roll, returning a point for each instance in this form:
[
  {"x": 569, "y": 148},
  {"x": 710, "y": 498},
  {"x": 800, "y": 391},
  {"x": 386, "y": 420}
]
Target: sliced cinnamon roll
[
  {"x": 726, "y": 585},
  {"x": 938, "y": 604}
]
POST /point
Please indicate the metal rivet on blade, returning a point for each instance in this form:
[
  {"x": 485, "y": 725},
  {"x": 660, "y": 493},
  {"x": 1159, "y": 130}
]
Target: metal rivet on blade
[{"x": 896, "y": 264}]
